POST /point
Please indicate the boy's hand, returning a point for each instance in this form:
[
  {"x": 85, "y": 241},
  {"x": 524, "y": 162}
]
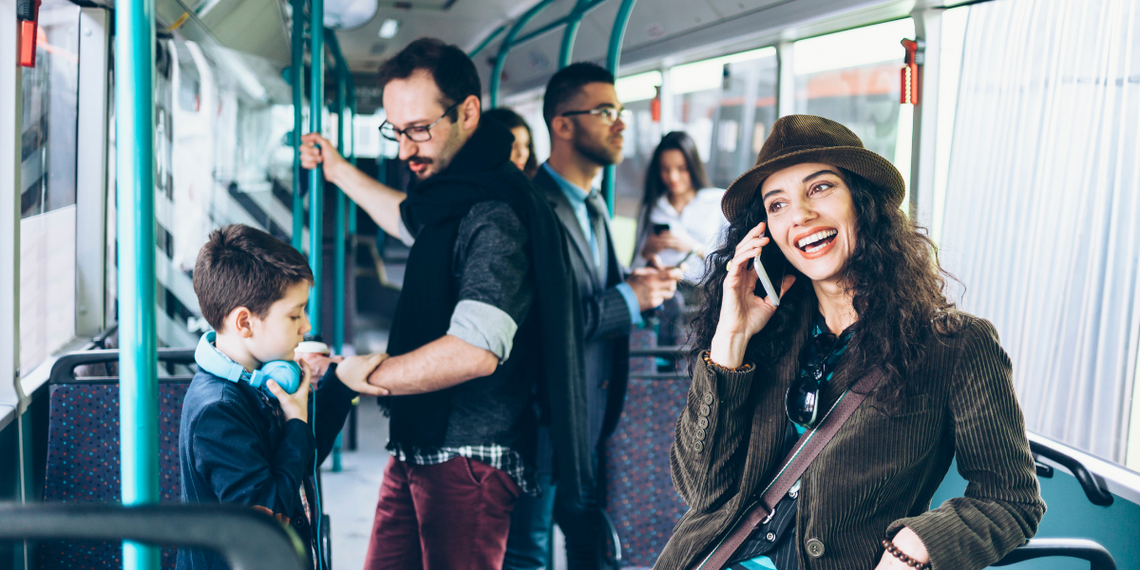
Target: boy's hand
[
  {"x": 294, "y": 406},
  {"x": 319, "y": 363},
  {"x": 354, "y": 371}
]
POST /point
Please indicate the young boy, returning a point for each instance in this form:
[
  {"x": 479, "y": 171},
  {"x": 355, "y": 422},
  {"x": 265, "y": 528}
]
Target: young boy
[{"x": 238, "y": 443}]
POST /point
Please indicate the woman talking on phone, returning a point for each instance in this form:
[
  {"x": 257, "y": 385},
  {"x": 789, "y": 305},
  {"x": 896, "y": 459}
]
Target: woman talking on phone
[{"x": 862, "y": 373}]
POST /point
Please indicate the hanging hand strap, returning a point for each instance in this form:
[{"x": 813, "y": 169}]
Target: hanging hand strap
[{"x": 810, "y": 444}]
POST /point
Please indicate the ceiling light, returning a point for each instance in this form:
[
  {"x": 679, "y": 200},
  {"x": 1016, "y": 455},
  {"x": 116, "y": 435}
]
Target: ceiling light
[{"x": 389, "y": 28}]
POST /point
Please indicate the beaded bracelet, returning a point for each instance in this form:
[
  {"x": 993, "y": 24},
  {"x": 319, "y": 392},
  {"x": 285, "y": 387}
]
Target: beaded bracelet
[
  {"x": 903, "y": 557},
  {"x": 708, "y": 360}
]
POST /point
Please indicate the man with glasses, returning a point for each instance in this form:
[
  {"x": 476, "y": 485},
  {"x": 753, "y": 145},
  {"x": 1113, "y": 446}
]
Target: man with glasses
[
  {"x": 585, "y": 120},
  {"x": 466, "y": 337}
]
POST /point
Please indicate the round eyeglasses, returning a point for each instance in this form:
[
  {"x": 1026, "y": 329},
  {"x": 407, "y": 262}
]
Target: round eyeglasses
[
  {"x": 415, "y": 134},
  {"x": 608, "y": 114}
]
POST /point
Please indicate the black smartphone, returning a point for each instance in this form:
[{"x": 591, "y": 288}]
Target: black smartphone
[{"x": 658, "y": 228}]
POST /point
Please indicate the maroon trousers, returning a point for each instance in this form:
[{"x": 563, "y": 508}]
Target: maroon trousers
[{"x": 450, "y": 516}]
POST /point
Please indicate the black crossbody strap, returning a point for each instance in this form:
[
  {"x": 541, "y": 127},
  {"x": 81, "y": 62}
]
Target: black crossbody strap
[{"x": 810, "y": 444}]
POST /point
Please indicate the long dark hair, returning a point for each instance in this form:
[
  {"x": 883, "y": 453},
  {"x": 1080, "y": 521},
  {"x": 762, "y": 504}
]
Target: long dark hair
[
  {"x": 655, "y": 187},
  {"x": 893, "y": 273},
  {"x": 512, "y": 121}
]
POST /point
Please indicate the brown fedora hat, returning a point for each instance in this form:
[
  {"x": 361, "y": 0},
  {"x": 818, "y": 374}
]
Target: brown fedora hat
[{"x": 797, "y": 139}]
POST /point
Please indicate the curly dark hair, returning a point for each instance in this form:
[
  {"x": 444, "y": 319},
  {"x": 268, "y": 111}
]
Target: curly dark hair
[{"x": 893, "y": 273}]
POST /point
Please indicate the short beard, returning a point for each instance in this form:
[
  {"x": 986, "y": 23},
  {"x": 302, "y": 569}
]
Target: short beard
[
  {"x": 595, "y": 152},
  {"x": 455, "y": 142}
]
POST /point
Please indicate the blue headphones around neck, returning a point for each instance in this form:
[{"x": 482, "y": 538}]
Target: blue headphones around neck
[{"x": 285, "y": 373}]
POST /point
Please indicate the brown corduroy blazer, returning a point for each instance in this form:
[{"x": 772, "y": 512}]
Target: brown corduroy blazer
[{"x": 881, "y": 469}]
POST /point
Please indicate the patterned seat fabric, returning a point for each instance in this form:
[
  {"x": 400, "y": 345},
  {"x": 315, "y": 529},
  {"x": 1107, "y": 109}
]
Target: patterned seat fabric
[
  {"x": 640, "y": 497},
  {"x": 83, "y": 464},
  {"x": 642, "y": 338}
]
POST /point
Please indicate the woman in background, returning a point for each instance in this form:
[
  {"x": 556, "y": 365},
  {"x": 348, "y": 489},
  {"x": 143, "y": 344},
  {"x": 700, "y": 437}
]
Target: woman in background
[
  {"x": 680, "y": 221},
  {"x": 680, "y": 216},
  {"x": 522, "y": 152}
]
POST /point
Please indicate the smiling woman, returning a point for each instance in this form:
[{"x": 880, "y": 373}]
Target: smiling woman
[{"x": 862, "y": 316}]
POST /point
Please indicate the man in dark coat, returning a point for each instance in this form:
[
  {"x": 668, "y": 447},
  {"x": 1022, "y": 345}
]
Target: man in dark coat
[
  {"x": 485, "y": 296},
  {"x": 583, "y": 115}
]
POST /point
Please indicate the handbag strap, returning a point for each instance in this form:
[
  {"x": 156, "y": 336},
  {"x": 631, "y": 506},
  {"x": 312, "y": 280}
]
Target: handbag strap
[{"x": 810, "y": 444}]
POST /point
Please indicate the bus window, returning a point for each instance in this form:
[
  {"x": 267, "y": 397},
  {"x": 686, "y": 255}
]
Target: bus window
[
  {"x": 1040, "y": 220},
  {"x": 853, "y": 77},
  {"x": 47, "y": 200},
  {"x": 723, "y": 103}
]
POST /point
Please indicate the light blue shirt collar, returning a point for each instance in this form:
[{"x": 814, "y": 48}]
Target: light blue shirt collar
[{"x": 573, "y": 193}]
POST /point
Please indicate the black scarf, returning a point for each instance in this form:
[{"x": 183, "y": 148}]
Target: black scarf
[{"x": 481, "y": 171}]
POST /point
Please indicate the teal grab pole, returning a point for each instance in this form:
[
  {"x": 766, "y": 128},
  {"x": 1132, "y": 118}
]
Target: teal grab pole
[
  {"x": 138, "y": 353},
  {"x": 297, "y": 73},
  {"x": 352, "y": 158},
  {"x": 339, "y": 223},
  {"x": 316, "y": 175},
  {"x": 573, "y": 22},
  {"x": 338, "y": 233},
  {"x": 613, "y": 58},
  {"x": 505, "y": 48},
  {"x": 590, "y": 5}
]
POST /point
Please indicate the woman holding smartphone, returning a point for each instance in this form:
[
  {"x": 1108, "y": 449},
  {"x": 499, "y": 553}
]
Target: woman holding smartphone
[
  {"x": 862, "y": 296},
  {"x": 680, "y": 217}
]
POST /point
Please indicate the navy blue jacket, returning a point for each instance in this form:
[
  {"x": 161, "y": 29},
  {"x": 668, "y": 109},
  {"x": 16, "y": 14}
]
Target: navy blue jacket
[{"x": 234, "y": 446}]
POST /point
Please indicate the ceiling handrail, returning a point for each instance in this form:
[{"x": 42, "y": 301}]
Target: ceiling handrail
[{"x": 505, "y": 48}]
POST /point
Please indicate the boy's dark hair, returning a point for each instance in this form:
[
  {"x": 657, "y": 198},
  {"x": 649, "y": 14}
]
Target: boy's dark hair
[
  {"x": 243, "y": 267},
  {"x": 454, "y": 73},
  {"x": 567, "y": 84}
]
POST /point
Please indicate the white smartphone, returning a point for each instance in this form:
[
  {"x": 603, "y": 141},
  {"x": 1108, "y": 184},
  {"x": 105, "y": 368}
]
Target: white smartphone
[{"x": 773, "y": 294}]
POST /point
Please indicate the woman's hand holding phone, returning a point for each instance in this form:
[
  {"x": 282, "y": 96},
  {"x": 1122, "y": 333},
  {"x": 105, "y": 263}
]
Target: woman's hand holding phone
[{"x": 742, "y": 312}]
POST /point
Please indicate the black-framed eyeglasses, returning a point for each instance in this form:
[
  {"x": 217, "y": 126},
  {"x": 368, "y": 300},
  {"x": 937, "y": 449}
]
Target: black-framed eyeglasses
[
  {"x": 414, "y": 134},
  {"x": 802, "y": 400},
  {"x": 608, "y": 114}
]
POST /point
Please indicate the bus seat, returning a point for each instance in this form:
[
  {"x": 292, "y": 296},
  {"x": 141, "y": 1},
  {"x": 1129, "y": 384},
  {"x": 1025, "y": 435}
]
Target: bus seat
[
  {"x": 83, "y": 463},
  {"x": 83, "y": 451},
  {"x": 642, "y": 339},
  {"x": 640, "y": 497}
]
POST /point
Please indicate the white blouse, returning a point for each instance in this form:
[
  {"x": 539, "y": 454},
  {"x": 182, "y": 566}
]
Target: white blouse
[{"x": 702, "y": 220}]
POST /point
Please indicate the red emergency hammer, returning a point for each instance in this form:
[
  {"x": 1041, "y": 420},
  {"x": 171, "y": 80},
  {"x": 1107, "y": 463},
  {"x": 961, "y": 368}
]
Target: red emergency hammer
[{"x": 28, "y": 12}]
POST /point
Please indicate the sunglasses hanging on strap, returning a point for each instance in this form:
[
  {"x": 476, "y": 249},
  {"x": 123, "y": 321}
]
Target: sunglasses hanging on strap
[{"x": 810, "y": 444}]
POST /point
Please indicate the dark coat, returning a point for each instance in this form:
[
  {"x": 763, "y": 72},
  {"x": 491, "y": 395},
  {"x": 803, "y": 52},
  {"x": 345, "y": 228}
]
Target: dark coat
[
  {"x": 879, "y": 472},
  {"x": 234, "y": 447},
  {"x": 602, "y": 333}
]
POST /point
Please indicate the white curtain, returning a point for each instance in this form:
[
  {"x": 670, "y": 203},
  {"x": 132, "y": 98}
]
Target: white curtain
[{"x": 1042, "y": 213}]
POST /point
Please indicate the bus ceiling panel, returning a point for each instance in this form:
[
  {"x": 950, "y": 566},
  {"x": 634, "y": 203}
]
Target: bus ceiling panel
[
  {"x": 760, "y": 23},
  {"x": 558, "y": 10},
  {"x": 650, "y": 21},
  {"x": 465, "y": 23},
  {"x": 255, "y": 27}
]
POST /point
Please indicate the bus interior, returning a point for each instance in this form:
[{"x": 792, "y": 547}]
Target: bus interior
[{"x": 1015, "y": 123}]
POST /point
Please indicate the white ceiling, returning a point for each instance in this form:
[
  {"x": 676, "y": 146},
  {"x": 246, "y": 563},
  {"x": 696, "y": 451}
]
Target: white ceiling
[{"x": 656, "y": 29}]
